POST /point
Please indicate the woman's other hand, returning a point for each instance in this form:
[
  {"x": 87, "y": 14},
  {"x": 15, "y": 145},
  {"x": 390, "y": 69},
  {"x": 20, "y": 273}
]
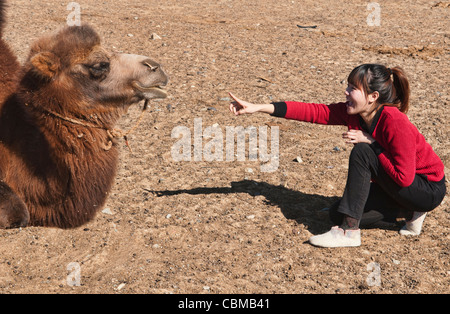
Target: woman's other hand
[{"x": 357, "y": 136}]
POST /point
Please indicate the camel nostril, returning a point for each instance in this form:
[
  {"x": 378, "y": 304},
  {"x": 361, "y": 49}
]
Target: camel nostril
[{"x": 152, "y": 67}]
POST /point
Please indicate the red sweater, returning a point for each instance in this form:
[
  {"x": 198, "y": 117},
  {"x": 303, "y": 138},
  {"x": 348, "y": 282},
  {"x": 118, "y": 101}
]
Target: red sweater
[{"x": 404, "y": 152}]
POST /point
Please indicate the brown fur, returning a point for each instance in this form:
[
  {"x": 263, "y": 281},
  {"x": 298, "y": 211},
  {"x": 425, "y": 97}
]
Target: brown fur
[
  {"x": 8, "y": 62},
  {"x": 56, "y": 168},
  {"x": 2, "y": 15}
]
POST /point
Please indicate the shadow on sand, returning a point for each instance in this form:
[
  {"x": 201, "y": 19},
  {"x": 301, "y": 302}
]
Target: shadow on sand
[{"x": 301, "y": 207}]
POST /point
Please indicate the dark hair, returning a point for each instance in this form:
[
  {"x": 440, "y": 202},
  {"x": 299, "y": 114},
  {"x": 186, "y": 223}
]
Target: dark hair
[{"x": 376, "y": 77}]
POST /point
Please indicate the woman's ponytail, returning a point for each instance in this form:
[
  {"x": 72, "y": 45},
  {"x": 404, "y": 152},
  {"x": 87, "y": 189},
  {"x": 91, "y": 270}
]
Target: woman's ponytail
[{"x": 401, "y": 86}]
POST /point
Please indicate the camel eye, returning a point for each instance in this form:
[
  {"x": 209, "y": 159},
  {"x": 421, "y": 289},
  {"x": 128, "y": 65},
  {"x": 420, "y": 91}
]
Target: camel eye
[
  {"x": 101, "y": 66},
  {"x": 99, "y": 69}
]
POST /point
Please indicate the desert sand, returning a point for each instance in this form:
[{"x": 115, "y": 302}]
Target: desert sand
[{"x": 225, "y": 226}]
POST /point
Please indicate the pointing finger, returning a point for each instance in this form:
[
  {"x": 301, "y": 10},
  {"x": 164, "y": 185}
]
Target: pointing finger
[{"x": 235, "y": 98}]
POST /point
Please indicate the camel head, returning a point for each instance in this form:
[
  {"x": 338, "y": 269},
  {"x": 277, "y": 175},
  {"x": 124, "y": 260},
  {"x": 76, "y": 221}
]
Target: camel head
[{"x": 73, "y": 66}]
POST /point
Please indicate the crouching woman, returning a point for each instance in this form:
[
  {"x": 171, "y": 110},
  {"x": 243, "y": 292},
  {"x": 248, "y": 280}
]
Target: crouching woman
[{"x": 393, "y": 172}]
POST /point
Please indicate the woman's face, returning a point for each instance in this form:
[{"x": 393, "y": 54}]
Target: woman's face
[{"x": 357, "y": 101}]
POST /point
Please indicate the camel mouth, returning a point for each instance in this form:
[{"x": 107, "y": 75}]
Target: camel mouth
[{"x": 155, "y": 91}]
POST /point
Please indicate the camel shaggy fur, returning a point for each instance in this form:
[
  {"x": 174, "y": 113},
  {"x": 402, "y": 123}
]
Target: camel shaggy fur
[
  {"x": 8, "y": 62},
  {"x": 58, "y": 155}
]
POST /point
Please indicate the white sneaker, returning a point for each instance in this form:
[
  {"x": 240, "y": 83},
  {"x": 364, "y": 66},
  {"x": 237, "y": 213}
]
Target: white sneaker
[
  {"x": 337, "y": 237},
  {"x": 413, "y": 227}
]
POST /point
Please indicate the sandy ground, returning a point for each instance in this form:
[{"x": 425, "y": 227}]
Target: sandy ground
[{"x": 227, "y": 226}]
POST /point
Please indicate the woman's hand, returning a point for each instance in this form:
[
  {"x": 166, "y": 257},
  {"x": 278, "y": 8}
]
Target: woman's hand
[
  {"x": 238, "y": 107},
  {"x": 357, "y": 136}
]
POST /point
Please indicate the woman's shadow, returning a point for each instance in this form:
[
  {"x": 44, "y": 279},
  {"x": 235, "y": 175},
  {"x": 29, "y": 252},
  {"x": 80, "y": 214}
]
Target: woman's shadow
[{"x": 304, "y": 208}]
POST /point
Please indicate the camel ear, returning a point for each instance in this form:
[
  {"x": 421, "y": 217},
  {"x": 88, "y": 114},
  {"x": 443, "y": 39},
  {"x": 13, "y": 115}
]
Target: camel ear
[{"x": 46, "y": 64}]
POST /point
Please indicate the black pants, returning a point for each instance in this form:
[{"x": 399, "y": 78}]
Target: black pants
[{"x": 383, "y": 199}]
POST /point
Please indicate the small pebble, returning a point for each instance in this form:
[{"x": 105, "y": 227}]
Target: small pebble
[
  {"x": 107, "y": 211},
  {"x": 155, "y": 36}
]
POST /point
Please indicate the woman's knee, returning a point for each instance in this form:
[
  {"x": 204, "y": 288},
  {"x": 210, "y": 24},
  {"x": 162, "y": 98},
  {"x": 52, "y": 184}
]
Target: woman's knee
[
  {"x": 362, "y": 149},
  {"x": 362, "y": 153}
]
